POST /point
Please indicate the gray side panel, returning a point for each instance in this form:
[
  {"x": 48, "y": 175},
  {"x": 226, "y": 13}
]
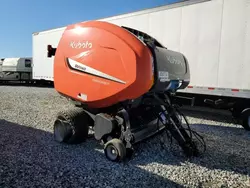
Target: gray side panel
[{"x": 170, "y": 66}]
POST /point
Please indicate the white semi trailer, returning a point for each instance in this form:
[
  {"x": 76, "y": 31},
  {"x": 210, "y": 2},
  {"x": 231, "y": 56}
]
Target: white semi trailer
[{"x": 214, "y": 35}]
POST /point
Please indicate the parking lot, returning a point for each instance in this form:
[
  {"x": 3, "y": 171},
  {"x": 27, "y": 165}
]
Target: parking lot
[{"x": 29, "y": 156}]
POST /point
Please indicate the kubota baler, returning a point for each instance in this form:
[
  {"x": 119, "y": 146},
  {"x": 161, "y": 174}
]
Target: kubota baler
[{"x": 123, "y": 80}]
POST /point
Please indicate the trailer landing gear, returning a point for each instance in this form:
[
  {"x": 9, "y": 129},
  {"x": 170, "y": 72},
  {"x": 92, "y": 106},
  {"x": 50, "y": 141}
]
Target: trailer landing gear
[{"x": 239, "y": 107}]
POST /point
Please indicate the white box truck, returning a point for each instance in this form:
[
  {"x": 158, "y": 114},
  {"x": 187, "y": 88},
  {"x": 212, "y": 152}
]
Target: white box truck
[
  {"x": 1, "y": 63},
  {"x": 214, "y": 35},
  {"x": 16, "y": 69}
]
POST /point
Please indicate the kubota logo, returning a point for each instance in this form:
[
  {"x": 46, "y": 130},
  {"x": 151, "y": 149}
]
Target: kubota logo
[
  {"x": 175, "y": 61},
  {"x": 78, "y": 45}
]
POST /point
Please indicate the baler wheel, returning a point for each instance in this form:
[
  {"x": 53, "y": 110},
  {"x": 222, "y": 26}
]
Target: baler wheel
[
  {"x": 115, "y": 150},
  {"x": 71, "y": 126}
]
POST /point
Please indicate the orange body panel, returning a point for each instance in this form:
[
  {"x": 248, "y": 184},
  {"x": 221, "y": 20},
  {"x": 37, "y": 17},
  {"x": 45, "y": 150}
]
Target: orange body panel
[{"x": 101, "y": 64}]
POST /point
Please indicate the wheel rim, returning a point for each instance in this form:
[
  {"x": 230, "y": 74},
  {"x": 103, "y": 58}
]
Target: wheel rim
[
  {"x": 60, "y": 130},
  {"x": 111, "y": 152}
]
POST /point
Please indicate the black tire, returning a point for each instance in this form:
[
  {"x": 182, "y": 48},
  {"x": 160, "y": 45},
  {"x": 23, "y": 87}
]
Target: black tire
[
  {"x": 245, "y": 116},
  {"x": 115, "y": 150},
  {"x": 72, "y": 126}
]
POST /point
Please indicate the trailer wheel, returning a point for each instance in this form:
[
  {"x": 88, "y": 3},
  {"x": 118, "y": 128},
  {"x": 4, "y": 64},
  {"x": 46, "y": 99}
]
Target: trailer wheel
[
  {"x": 72, "y": 126},
  {"x": 246, "y": 119},
  {"x": 115, "y": 150}
]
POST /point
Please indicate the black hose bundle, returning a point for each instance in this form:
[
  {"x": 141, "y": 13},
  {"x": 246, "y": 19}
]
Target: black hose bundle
[{"x": 175, "y": 112}]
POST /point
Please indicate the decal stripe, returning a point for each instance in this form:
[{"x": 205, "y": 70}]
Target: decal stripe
[{"x": 83, "y": 68}]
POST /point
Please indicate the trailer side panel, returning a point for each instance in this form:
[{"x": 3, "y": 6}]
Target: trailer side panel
[{"x": 43, "y": 66}]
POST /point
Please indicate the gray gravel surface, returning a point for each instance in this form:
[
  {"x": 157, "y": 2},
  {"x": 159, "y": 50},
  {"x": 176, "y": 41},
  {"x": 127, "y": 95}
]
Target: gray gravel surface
[{"x": 29, "y": 156}]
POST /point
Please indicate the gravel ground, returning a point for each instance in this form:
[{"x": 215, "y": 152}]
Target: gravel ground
[{"x": 29, "y": 157}]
